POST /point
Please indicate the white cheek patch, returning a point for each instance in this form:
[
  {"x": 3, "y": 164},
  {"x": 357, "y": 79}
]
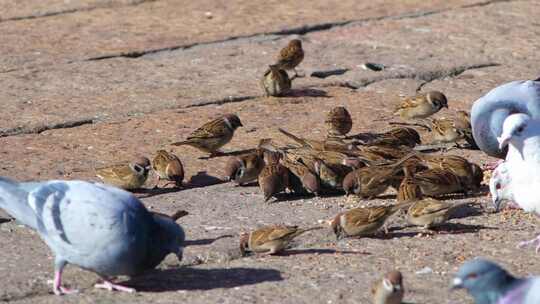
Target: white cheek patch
[
  {"x": 228, "y": 123},
  {"x": 387, "y": 285}
]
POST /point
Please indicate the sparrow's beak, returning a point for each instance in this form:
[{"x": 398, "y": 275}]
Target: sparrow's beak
[
  {"x": 503, "y": 140},
  {"x": 457, "y": 283}
]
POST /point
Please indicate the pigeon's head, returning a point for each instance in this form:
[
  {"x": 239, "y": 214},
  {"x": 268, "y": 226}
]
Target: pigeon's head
[
  {"x": 171, "y": 236},
  {"x": 499, "y": 186},
  {"x": 514, "y": 130},
  {"x": 482, "y": 279}
]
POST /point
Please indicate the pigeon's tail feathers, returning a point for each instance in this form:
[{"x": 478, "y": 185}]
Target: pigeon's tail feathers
[{"x": 14, "y": 200}]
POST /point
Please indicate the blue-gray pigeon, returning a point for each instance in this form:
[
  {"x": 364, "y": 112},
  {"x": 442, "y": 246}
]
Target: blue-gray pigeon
[
  {"x": 489, "y": 112},
  {"x": 97, "y": 227},
  {"x": 488, "y": 283}
]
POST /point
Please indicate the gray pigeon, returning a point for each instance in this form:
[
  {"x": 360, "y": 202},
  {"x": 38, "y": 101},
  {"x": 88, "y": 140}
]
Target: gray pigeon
[
  {"x": 489, "y": 112},
  {"x": 97, "y": 227},
  {"x": 488, "y": 283}
]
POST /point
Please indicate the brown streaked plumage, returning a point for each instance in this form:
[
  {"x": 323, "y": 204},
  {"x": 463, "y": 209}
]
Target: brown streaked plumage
[
  {"x": 302, "y": 178},
  {"x": 273, "y": 179},
  {"x": 389, "y": 289},
  {"x": 168, "y": 167},
  {"x": 245, "y": 168},
  {"x": 409, "y": 190},
  {"x": 213, "y": 135},
  {"x": 338, "y": 122},
  {"x": 430, "y": 212},
  {"x": 275, "y": 82},
  {"x": 128, "y": 176},
  {"x": 422, "y": 105},
  {"x": 270, "y": 239},
  {"x": 437, "y": 182},
  {"x": 290, "y": 56},
  {"x": 443, "y": 130},
  {"x": 363, "y": 221},
  {"x": 332, "y": 144}
]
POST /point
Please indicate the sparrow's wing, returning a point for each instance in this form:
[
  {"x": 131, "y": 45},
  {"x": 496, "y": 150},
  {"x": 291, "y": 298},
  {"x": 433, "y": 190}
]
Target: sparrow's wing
[
  {"x": 119, "y": 172},
  {"x": 214, "y": 129}
]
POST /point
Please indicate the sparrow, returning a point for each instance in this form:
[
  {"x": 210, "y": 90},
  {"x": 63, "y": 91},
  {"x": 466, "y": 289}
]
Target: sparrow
[
  {"x": 302, "y": 178},
  {"x": 430, "y": 212},
  {"x": 273, "y": 179},
  {"x": 338, "y": 122},
  {"x": 331, "y": 175},
  {"x": 401, "y": 136},
  {"x": 270, "y": 240},
  {"x": 275, "y": 82},
  {"x": 245, "y": 168},
  {"x": 389, "y": 289},
  {"x": 436, "y": 182},
  {"x": 363, "y": 221},
  {"x": 409, "y": 190},
  {"x": 213, "y": 135},
  {"x": 128, "y": 176},
  {"x": 290, "y": 56},
  {"x": 444, "y": 130},
  {"x": 422, "y": 105},
  {"x": 332, "y": 144},
  {"x": 168, "y": 167},
  {"x": 463, "y": 123}
]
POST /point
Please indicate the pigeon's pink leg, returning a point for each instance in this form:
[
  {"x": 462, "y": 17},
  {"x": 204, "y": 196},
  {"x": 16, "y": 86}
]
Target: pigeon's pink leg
[
  {"x": 535, "y": 241},
  {"x": 110, "y": 286},
  {"x": 58, "y": 289}
]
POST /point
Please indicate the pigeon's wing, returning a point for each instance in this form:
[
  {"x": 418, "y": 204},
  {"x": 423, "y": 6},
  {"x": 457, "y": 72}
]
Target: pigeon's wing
[
  {"x": 14, "y": 200},
  {"x": 523, "y": 292},
  {"x": 533, "y": 293},
  {"x": 79, "y": 219}
]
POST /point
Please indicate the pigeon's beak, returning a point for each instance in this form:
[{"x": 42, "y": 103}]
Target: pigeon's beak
[
  {"x": 503, "y": 140},
  {"x": 457, "y": 283},
  {"x": 497, "y": 202}
]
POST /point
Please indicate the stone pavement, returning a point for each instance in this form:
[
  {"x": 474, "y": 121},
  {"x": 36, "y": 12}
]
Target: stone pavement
[{"x": 88, "y": 83}]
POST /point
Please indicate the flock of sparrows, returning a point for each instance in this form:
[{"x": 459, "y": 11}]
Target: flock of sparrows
[{"x": 364, "y": 165}]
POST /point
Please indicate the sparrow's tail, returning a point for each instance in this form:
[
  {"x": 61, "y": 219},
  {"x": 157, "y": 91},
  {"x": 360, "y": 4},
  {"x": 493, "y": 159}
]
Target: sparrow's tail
[
  {"x": 400, "y": 206},
  {"x": 301, "y": 231},
  {"x": 294, "y": 137},
  {"x": 14, "y": 200},
  {"x": 181, "y": 143}
]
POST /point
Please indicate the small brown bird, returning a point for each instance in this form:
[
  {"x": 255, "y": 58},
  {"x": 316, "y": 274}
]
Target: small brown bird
[
  {"x": 245, "y": 168},
  {"x": 275, "y": 82},
  {"x": 422, "y": 105},
  {"x": 389, "y": 289},
  {"x": 444, "y": 130},
  {"x": 409, "y": 190},
  {"x": 402, "y": 136},
  {"x": 213, "y": 135},
  {"x": 430, "y": 212},
  {"x": 363, "y": 221},
  {"x": 338, "y": 122},
  {"x": 368, "y": 182},
  {"x": 128, "y": 176},
  {"x": 302, "y": 178},
  {"x": 168, "y": 167},
  {"x": 332, "y": 144},
  {"x": 290, "y": 56},
  {"x": 273, "y": 179},
  {"x": 270, "y": 239},
  {"x": 436, "y": 182}
]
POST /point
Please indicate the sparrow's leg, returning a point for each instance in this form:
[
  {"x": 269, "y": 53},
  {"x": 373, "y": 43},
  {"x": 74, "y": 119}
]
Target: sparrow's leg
[
  {"x": 58, "y": 289},
  {"x": 110, "y": 286}
]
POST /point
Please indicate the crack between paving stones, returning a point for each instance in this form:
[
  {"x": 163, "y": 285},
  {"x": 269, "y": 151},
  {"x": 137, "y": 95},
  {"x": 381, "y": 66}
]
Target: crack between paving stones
[
  {"x": 75, "y": 10},
  {"x": 42, "y": 128},
  {"x": 301, "y": 30}
]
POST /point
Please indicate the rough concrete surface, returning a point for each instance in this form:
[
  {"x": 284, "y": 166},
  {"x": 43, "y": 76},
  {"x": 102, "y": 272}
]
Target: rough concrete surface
[{"x": 89, "y": 83}]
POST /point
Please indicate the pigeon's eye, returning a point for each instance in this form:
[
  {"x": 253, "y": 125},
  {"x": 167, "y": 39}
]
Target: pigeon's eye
[
  {"x": 520, "y": 129},
  {"x": 472, "y": 276},
  {"x": 498, "y": 186}
]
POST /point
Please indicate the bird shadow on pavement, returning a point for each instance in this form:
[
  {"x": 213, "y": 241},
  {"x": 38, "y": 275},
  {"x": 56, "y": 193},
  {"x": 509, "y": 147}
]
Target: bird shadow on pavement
[
  {"x": 201, "y": 242},
  {"x": 203, "y": 179},
  {"x": 188, "y": 278},
  {"x": 292, "y": 252},
  {"x": 307, "y": 92}
]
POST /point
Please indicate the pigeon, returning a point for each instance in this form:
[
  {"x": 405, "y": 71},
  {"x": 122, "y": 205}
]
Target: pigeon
[
  {"x": 489, "y": 112},
  {"x": 97, "y": 227},
  {"x": 488, "y": 283}
]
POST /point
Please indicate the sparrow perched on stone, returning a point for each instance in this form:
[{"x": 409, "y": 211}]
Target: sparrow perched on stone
[
  {"x": 213, "y": 135},
  {"x": 128, "y": 176},
  {"x": 270, "y": 239},
  {"x": 245, "y": 168},
  {"x": 389, "y": 289},
  {"x": 422, "y": 105},
  {"x": 430, "y": 212},
  {"x": 168, "y": 167},
  {"x": 290, "y": 56},
  {"x": 273, "y": 179},
  {"x": 275, "y": 82},
  {"x": 363, "y": 221},
  {"x": 338, "y": 122}
]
